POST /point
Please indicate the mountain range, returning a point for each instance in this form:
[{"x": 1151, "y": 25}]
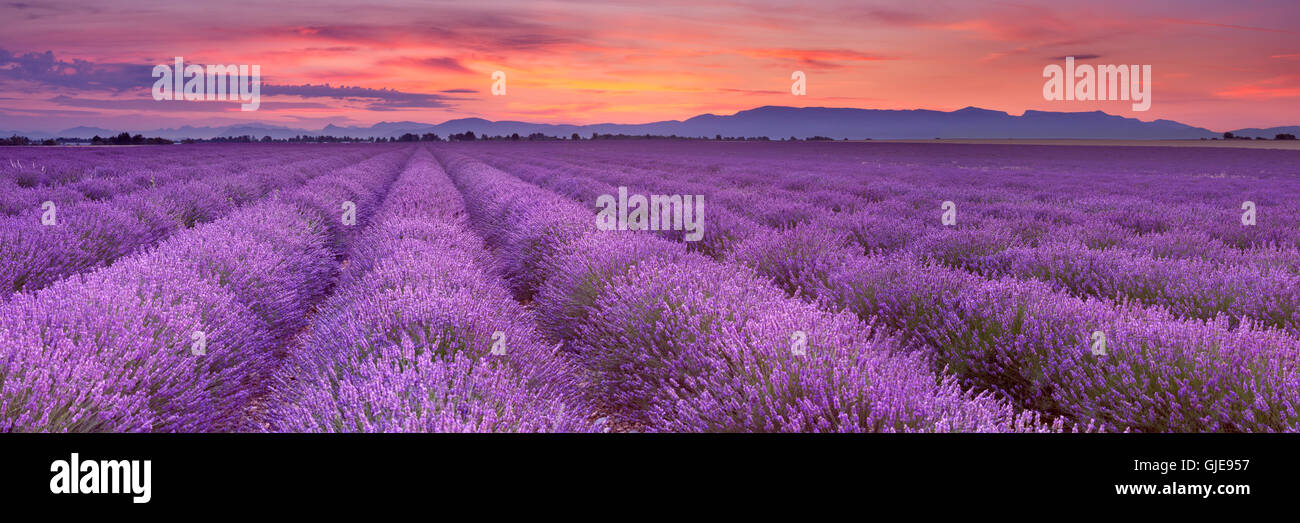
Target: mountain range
[{"x": 771, "y": 121}]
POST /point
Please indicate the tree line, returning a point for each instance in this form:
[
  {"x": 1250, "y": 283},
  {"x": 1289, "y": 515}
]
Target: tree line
[{"x": 121, "y": 139}]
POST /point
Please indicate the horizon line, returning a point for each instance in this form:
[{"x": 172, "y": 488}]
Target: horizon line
[{"x": 1022, "y": 114}]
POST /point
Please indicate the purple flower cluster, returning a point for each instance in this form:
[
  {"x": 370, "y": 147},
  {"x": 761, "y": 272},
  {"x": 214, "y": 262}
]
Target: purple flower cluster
[
  {"x": 31, "y": 176},
  {"x": 1008, "y": 300},
  {"x": 406, "y": 342},
  {"x": 184, "y": 336},
  {"x": 1032, "y": 343},
  {"x": 92, "y": 233},
  {"x": 674, "y": 341}
]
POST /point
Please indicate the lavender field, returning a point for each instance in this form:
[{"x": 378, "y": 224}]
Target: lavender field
[{"x": 649, "y": 286}]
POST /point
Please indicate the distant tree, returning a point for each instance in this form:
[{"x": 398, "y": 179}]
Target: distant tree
[
  {"x": 575, "y": 137},
  {"x": 126, "y": 139},
  {"x": 1228, "y": 136},
  {"x": 514, "y": 136},
  {"x": 266, "y": 139},
  {"x": 1284, "y": 136},
  {"x": 15, "y": 140}
]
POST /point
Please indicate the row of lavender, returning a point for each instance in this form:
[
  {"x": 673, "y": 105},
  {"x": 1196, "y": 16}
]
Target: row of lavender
[
  {"x": 1202, "y": 200},
  {"x": 669, "y": 340},
  {"x": 1078, "y": 251},
  {"x": 185, "y": 336},
  {"x": 1142, "y": 189},
  {"x": 1168, "y": 213},
  {"x": 1020, "y": 338},
  {"x": 76, "y": 174},
  {"x": 419, "y": 336},
  {"x": 45, "y": 245},
  {"x": 50, "y": 166}
]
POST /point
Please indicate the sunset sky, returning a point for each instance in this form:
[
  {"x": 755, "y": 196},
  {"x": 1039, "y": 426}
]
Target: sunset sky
[{"x": 1217, "y": 64}]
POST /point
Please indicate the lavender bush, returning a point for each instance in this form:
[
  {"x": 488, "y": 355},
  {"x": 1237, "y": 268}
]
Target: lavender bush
[
  {"x": 405, "y": 343},
  {"x": 1189, "y": 330},
  {"x": 90, "y": 234},
  {"x": 113, "y": 350},
  {"x": 677, "y": 342}
]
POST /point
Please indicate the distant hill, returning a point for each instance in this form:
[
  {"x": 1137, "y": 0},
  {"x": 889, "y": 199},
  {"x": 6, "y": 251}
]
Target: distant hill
[
  {"x": 971, "y": 122},
  {"x": 803, "y": 122},
  {"x": 83, "y": 131},
  {"x": 772, "y": 121}
]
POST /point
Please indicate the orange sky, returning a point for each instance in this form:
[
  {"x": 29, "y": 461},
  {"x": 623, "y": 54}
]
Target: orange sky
[{"x": 1219, "y": 65}]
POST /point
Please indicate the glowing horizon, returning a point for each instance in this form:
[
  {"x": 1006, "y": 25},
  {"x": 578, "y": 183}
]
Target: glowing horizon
[{"x": 64, "y": 64}]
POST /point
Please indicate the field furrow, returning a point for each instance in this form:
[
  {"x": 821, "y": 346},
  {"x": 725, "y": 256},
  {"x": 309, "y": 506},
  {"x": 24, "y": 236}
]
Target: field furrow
[
  {"x": 674, "y": 341},
  {"x": 1025, "y": 339},
  {"x": 182, "y": 337},
  {"x": 87, "y": 235},
  {"x": 1022, "y": 240},
  {"x": 421, "y": 337}
]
